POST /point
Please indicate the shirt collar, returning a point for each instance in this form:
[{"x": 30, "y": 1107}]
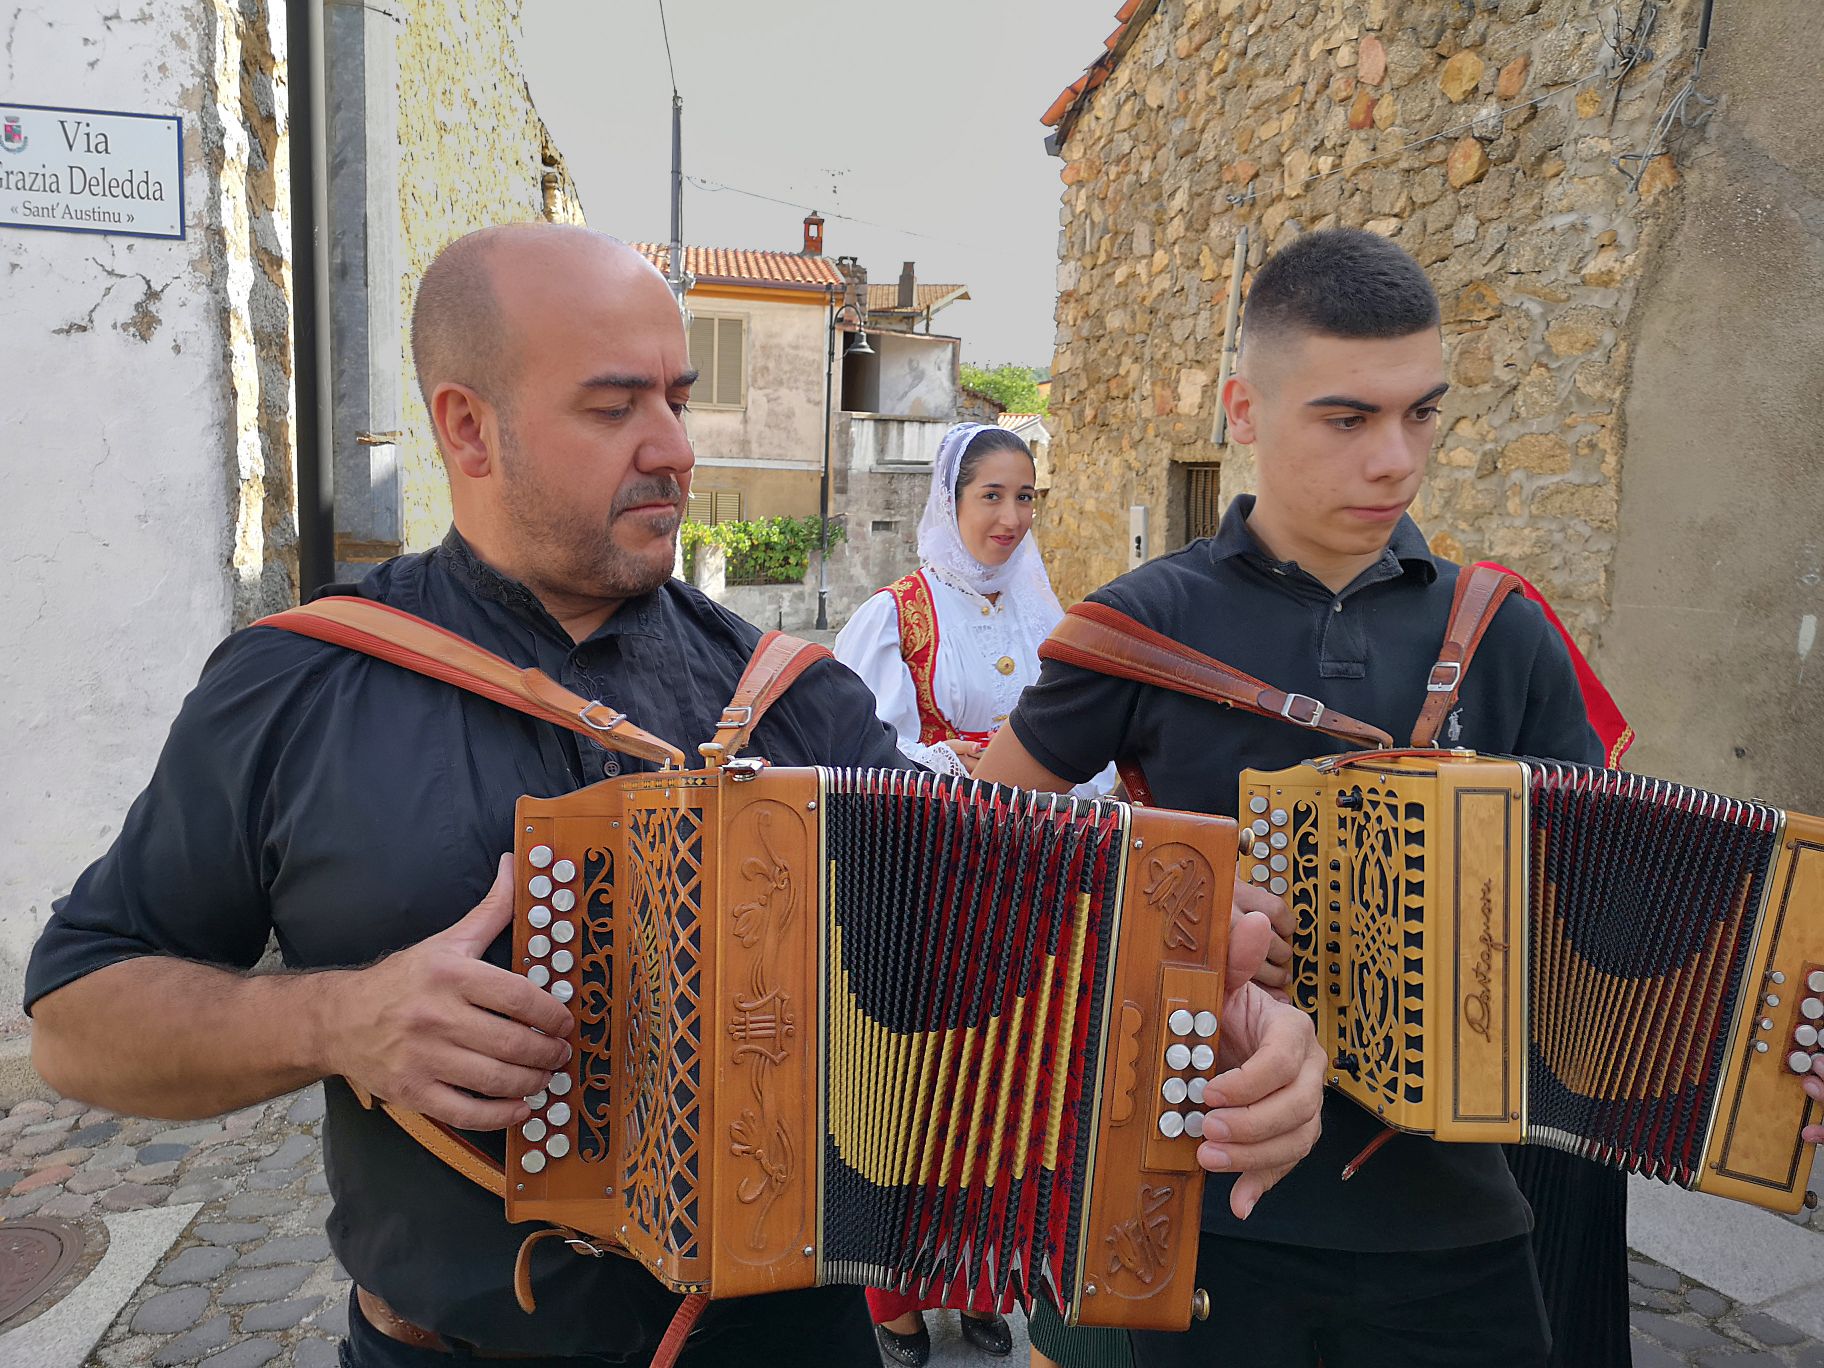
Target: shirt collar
[
  {"x": 638, "y": 616},
  {"x": 1406, "y": 551}
]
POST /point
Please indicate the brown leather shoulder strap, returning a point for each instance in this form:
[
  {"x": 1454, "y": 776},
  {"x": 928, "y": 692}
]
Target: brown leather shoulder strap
[
  {"x": 412, "y": 643},
  {"x": 1097, "y": 637},
  {"x": 1480, "y": 590},
  {"x": 772, "y": 669}
]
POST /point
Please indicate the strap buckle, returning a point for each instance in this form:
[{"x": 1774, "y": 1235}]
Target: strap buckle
[
  {"x": 614, "y": 718},
  {"x": 582, "y": 1246},
  {"x": 734, "y": 715},
  {"x": 1450, "y": 682},
  {"x": 1292, "y": 700}
]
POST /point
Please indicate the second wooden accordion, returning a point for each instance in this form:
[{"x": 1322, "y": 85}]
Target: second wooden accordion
[
  {"x": 876, "y": 1027},
  {"x": 1526, "y": 951}
]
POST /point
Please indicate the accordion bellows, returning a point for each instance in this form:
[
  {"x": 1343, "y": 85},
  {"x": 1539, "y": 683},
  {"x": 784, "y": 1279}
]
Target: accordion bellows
[
  {"x": 876, "y": 1027},
  {"x": 1526, "y": 951}
]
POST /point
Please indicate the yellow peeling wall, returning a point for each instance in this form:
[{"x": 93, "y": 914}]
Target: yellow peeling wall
[{"x": 472, "y": 151}]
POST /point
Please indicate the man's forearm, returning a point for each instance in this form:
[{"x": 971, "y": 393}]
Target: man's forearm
[{"x": 164, "y": 1037}]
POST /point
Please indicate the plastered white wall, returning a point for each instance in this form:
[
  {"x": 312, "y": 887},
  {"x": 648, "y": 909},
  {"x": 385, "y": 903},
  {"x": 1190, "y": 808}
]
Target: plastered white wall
[{"x": 118, "y": 443}]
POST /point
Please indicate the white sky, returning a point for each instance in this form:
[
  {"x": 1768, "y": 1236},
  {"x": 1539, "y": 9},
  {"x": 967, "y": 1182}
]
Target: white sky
[{"x": 920, "y": 116}]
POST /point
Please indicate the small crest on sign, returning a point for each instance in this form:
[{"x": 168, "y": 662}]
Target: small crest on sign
[{"x": 12, "y": 133}]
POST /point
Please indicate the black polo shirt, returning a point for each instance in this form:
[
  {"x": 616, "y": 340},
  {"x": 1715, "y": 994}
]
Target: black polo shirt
[
  {"x": 354, "y": 808},
  {"x": 1365, "y": 652}
]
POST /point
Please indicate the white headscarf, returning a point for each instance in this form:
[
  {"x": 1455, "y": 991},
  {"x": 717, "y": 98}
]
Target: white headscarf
[{"x": 1020, "y": 580}]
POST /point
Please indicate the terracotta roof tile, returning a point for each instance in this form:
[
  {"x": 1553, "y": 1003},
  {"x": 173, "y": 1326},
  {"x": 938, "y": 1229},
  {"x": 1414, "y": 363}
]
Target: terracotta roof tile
[
  {"x": 1098, "y": 70},
  {"x": 884, "y": 298},
  {"x": 738, "y": 265}
]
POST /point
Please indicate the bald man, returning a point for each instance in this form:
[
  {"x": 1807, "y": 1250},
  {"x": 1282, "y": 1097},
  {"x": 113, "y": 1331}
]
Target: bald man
[{"x": 358, "y": 811}]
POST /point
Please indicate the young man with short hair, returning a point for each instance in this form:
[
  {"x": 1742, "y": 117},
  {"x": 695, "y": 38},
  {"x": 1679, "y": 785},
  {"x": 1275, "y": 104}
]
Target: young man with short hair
[{"x": 1322, "y": 585}]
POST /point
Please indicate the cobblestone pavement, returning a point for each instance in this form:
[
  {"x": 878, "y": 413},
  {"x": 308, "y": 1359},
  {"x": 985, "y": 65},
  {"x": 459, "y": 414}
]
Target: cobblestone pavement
[{"x": 251, "y": 1282}]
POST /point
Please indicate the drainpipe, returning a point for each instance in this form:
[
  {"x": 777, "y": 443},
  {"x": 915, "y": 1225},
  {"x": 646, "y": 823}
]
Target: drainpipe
[{"x": 316, "y": 492}]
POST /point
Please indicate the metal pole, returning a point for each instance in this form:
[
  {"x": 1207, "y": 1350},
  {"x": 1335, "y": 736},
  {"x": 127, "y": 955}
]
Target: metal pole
[
  {"x": 677, "y": 197},
  {"x": 823, "y": 485},
  {"x": 1219, "y": 429}
]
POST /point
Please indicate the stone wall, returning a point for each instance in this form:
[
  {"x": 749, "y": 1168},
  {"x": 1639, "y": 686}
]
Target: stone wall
[
  {"x": 1480, "y": 137},
  {"x": 472, "y": 152}
]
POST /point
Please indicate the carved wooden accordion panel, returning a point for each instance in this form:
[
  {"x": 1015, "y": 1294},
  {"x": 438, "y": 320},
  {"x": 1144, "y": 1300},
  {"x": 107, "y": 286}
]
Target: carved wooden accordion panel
[
  {"x": 1521, "y": 950},
  {"x": 876, "y": 1027}
]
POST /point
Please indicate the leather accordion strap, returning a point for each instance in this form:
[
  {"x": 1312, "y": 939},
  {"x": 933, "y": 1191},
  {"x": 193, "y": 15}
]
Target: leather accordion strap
[
  {"x": 1480, "y": 590},
  {"x": 1097, "y": 637},
  {"x": 772, "y": 669},
  {"x": 414, "y": 644}
]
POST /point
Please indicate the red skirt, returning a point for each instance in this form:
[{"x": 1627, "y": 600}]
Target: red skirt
[{"x": 888, "y": 1306}]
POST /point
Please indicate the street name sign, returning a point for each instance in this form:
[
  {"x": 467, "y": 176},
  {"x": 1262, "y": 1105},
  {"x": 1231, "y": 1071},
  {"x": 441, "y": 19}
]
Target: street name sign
[{"x": 91, "y": 171}]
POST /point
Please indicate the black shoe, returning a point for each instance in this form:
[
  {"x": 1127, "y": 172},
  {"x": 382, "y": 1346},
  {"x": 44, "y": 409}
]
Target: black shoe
[
  {"x": 911, "y": 1350},
  {"x": 989, "y": 1334}
]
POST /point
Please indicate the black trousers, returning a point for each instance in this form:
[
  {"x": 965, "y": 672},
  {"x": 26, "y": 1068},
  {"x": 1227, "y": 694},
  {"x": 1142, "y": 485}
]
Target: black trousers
[
  {"x": 1282, "y": 1306},
  {"x": 816, "y": 1326}
]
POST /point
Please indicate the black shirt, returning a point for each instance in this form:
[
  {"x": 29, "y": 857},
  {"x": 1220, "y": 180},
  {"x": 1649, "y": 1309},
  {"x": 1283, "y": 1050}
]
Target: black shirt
[
  {"x": 1366, "y": 652},
  {"x": 353, "y": 808}
]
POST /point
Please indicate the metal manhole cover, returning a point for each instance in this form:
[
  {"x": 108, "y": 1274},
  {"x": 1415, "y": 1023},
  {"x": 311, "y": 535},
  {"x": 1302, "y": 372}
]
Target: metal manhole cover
[{"x": 34, "y": 1256}]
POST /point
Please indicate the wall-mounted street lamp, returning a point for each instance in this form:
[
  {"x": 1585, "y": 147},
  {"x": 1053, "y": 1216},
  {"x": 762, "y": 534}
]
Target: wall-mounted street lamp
[{"x": 857, "y": 346}]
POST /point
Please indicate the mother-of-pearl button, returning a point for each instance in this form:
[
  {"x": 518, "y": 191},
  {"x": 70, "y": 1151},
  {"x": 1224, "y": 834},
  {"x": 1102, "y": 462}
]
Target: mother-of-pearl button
[
  {"x": 1204, "y": 1024},
  {"x": 563, "y": 900},
  {"x": 1173, "y": 1090},
  {"x": 532, "y": 1161},
  {"x": 1812, "y": 1009},
  {"x": 1277, "y": 884},
  {"x": 539, "y": 887},
  {"x": 563, "y": 961},
  {"x": 1260, "y": 826},
  {"x": 559, "y": 1145},
  {"x": 1260, "y": 873},
  {"x": 1806, "y": 1036},
  {"x": 562, "y": 991},
  {"x": 1277, "y": 840},
  {"x": 1193, "y": 1123},
  {"x": 1194, "y": 1089},
  {"x": 560, "y": 1083},
  {"x": 533, "y": 1130},
  {"x": 1257, "y": 804},
  {"x": 1279, "y": 816},
  {"x": 559, "y": 1115},
  {"x": 563, "y": 871},
  {"x": 1171, "y": 1125},
  {"x": 1180, "y": 1022},
  {"x": 1202, "y": 1057},
  {"x": 539, "y": 975},
  {"x": 1260, "y": 850},
  {"x": 1798, "y": 1061},
  {"x": 1277, "y": 864},
  {"x": 563, "y": 932},
  {"x": 536, "y": 1101},
  {"x": 539, "y": 856},
  {"x": 540, "y": 917},
  {"x": 1815, "y": 980},
  {"x": 538, "y": 947},
  {"x": 1177, "y": 1056}
]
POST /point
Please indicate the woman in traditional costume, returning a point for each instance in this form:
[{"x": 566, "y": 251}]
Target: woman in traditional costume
[{"x": 946, "y": 651}]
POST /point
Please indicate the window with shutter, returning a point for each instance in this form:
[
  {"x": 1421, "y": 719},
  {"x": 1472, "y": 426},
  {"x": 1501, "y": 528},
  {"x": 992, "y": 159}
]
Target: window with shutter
[{"x": 718, "y": 349}]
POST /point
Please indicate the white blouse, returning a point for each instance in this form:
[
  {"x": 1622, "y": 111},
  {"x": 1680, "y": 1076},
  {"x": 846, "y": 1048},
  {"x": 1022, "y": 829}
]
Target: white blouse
[{"x": 985, "y": 657}]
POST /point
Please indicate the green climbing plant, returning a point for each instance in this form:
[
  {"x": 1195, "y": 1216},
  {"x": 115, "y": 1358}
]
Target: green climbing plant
[{"x": 761, "y": 550}]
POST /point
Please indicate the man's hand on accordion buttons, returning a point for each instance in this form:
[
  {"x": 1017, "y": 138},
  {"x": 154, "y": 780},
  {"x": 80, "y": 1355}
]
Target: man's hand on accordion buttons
[
  {"x": 1262, "y": 1112},
  {"x": 437, "y": 1029},
  {"x": 1275, "y": 970}
]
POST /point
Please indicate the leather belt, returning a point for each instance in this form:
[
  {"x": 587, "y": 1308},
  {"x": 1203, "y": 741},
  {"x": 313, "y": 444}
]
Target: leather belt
[{"x": 396, "y": 1327}]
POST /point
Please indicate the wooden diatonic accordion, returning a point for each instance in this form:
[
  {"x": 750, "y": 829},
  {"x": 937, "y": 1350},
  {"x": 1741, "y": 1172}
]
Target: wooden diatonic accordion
[
  {"x": 1522, "y": 950},
  {"x": 876, "y": 1027}
]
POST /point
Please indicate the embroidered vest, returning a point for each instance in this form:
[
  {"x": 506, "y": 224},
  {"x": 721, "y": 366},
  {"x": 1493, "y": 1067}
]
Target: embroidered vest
[{"x": 918, "y": 648}]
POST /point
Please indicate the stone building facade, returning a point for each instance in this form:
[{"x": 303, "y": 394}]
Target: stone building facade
[
  {"x": 151, "y": 411},
  {"x": 1617, "y": 287}
]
